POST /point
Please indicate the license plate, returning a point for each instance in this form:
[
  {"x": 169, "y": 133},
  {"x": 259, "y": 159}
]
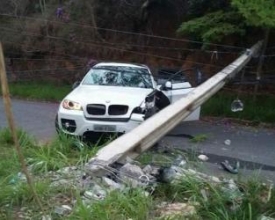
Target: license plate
[{"x": 105, "y": 128}]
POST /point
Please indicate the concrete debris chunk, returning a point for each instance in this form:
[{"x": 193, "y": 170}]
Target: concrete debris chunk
[
  {"x": 204, "y": 194},
  {"x": 112, "y": 185},
  {"x": 151, "y": 170},
  {"x": 227, "y": 142},
  {"x": 232, "y": 191},
  {"x": 203, "y": 157},
  {"x": 63, "y": 183},
  {"x": 133, "y": 175},
  {"x": 131, "y": 170},
  {"x": 172, "y": 210},
  {"x": 131, "y": 161},
  {"x": 179, "y": 161},
  {"x": 46, "y": 217},
  {"x": 62, "y": 210},
  {"x": 266, "y": 192},
  {"x": 96, "y": 193}
]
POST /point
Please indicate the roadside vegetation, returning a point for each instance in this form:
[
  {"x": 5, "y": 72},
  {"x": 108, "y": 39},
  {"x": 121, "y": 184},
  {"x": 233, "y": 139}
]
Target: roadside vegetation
[
  {"x": 257, "y": 111},
  {"x": 43, "y": 91},
  {"x": 209, "y": 199}
]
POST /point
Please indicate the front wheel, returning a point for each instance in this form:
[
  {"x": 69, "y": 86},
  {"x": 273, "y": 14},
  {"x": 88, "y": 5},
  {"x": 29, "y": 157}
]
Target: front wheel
[{"x": 57, "y": 128}]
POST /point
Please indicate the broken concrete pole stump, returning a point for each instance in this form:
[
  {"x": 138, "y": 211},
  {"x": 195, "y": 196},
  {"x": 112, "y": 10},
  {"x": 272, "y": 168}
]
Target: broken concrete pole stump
[{"x": 134, "y": 176}]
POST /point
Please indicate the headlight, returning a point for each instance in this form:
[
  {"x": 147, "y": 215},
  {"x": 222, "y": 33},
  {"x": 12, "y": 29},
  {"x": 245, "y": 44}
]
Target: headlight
[
  {"x": 71, "y": 105},
  {"x": 145, "y": 106},
  {"x": 149, "y": 105},
  {"x": 149, "y": 102}
]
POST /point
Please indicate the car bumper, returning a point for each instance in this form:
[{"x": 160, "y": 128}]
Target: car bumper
[{"x": 74, "y": 123}]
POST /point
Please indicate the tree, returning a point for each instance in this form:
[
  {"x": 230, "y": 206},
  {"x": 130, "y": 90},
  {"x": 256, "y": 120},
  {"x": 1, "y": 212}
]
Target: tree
[
  {"x": 258, "y": 13},
  {"x": 213, "y": 27},
  {"x": 212, "y": 21},
  {"x": 201, "y": 7}
]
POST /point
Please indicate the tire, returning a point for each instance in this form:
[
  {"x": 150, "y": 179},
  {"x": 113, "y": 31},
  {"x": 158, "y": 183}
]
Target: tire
[{"x": 57, "y": 128}]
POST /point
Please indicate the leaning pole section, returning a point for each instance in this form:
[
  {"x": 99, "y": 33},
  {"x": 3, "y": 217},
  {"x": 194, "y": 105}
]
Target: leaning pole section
[{"x": 140, "y": 139}]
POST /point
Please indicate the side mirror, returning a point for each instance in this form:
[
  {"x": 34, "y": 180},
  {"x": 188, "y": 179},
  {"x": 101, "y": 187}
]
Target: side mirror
[
  {"x": 168, "y": 85},
  {"x": 76, "y": 84}
]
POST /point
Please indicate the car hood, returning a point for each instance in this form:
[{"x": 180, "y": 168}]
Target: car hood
[{"x": 109, "y": 95}]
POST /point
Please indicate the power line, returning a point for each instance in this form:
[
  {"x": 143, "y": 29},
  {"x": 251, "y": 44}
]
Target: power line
[
  {"x": 164, "y": 48},
  {"x": 269, "y": 55},
  {"x": 45, "y": 70},
  {"x": 51, "y": 52},
  {"x": 247, "y": 92},
  {"x": 130, "y": 33},
  {"x": 109, "y": 47},
  {"x": 26, "y": 59}
]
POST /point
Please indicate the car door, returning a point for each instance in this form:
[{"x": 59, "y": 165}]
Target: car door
[{"x": 178, "y": 90}]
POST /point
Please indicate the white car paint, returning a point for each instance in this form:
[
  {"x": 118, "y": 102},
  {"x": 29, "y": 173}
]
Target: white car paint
[
  {"x": 109, "y": 94},
  {"x": 79, "y": 122}
]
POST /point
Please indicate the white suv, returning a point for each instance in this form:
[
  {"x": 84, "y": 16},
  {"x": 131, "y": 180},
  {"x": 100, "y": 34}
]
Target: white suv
[{"x": 116, "y": 98}]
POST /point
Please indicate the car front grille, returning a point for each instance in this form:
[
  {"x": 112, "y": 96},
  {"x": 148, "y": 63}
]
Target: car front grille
[
  {"x": 96, "y": 109},
  {"x": 117, "y": 109}
]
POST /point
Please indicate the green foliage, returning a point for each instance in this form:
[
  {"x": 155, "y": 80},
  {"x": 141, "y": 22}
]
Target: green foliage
[
  {"x": 19, "y": 192},
  {"x": 199, "y": 138},
  {"x": 129, "y": 204},
  {"x": 8, "y": 162},
  {"x": 213, "y": 27},
  {"x": 202, "y": 7},
  {"x": 260, "y": 110},
  {"x": 258, "y": 13},
  {"x": 61, "y": 152},
  {"x": 39, "y": 91},
  {"x": 23, "y": 138}
]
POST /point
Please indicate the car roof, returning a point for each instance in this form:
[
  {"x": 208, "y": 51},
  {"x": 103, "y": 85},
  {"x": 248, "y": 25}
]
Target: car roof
[{"x": 120, "y": 64}]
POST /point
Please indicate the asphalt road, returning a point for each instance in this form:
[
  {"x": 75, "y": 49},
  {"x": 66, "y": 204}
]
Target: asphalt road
[
  {"x": 253, "y": 147},
  {"x": 36, "y": 118}
]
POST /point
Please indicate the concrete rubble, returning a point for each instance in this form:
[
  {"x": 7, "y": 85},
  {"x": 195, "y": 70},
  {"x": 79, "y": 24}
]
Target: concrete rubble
[
  {"x": 132, "y": 175},
  {"x": 203, "y": 157},
  {"x": 62, "y": 210},
  {"x": 175, "y": 210},
  {"x": 227, "y": 142}
]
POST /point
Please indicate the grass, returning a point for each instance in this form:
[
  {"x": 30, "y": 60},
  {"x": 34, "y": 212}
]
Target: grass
[
  {"x": 215, "y": 203},
  {"x": 61, "y": 152},
  {"x": 131, "y": 204},
  {"x": 260, "y": 110},
  {"x": 218, "y": 203},
  {"x": 44, "y": 91},
  {"x": 199, "y": 138}
]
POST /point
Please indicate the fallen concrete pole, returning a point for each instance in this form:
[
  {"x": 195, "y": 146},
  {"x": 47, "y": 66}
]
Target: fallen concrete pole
[{"x": 149, "y": 132}]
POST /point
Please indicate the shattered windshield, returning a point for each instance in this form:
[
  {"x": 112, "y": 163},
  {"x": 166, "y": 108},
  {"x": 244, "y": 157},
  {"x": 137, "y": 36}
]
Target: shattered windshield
[{"x": 119, "y": 76}]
